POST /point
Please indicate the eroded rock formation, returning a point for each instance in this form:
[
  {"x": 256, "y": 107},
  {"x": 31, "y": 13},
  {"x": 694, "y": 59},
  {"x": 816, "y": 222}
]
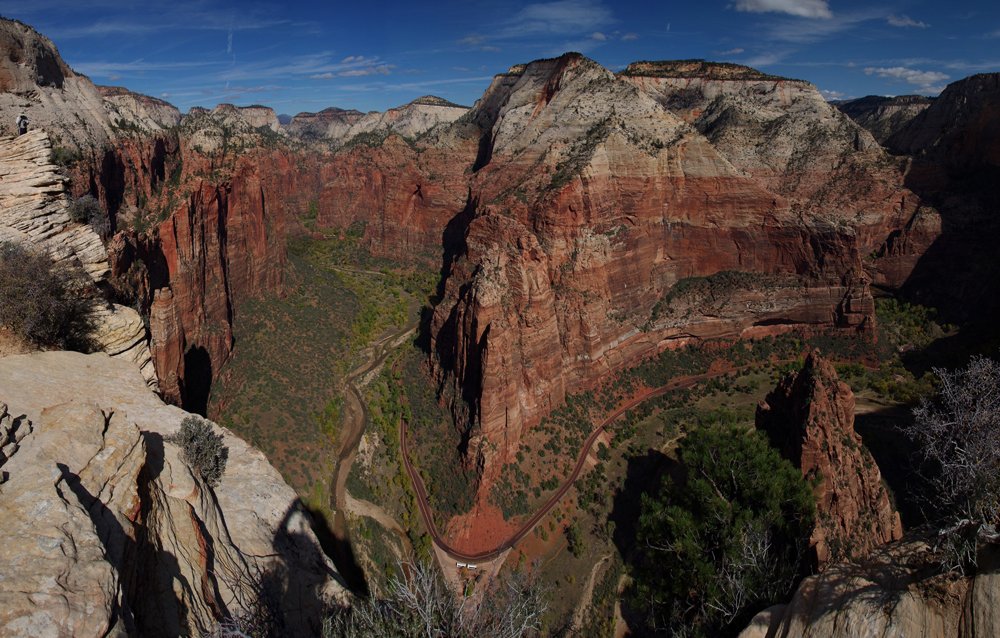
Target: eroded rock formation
[
  {"x": 110, "y": 533},
  {"x": 810, "y": 418}
]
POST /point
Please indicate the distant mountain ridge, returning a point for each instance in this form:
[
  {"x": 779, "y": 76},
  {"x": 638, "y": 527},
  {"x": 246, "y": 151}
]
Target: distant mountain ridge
[{"x": 884, "y": 116}]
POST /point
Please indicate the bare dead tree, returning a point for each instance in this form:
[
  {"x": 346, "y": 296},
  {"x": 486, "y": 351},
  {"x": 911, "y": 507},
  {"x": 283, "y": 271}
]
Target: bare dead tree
[
  {"x": 419, "y": 603},
  {"x": 959, "y": 435}
]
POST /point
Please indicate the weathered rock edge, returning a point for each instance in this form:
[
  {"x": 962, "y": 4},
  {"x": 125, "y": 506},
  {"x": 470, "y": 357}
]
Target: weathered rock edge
[{"x": 109, "y": 533}]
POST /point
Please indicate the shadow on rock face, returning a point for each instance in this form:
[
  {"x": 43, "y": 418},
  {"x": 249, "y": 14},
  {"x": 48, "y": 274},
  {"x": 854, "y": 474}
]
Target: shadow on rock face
[{"x": 197, "y": 380}]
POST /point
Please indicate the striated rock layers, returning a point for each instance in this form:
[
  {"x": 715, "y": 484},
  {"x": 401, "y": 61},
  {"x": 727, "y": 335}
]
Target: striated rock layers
[
  {"x": 34, "y": 211},
  {"x": 883, "y": 116},
  {"x": 810, "y": 418},
  {"x": 107, "y": 530},
  {"x": 592, "y": 196},
  {"x": 34, "y": 207}
]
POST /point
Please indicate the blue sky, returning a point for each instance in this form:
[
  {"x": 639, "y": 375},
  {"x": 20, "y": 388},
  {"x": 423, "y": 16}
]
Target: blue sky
[{"x": 306, "y": 56}]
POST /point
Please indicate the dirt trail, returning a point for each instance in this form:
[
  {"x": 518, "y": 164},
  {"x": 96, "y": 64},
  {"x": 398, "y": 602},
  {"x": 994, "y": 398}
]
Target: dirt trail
[
  {"x": 371, "y": 510},
  {"x": 354, "y": 426},
  {"x": 588, "y": 594}
]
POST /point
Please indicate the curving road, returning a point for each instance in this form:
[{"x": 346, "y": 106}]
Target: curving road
[{"x": 425, "y": 510}]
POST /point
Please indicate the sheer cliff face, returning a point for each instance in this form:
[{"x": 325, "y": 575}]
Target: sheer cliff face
[
  {"x": 955, "y": 167},
  {"x": 961, "y": 129},
  {"x": 590, "y": 199}
]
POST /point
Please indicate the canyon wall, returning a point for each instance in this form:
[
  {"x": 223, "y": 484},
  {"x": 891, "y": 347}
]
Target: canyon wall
[{"x": 593, "y": 198}]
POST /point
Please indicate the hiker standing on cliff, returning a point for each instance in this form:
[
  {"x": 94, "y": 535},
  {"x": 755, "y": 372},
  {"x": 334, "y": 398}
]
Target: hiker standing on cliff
[{"x": 22, "y": 124}]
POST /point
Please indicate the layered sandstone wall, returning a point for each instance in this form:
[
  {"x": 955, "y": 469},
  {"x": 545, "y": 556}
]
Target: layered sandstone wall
[{"x": 592, "y": 200}]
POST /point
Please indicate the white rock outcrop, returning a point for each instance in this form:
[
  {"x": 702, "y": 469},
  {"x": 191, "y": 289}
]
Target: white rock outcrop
[
  {"x": 110, "y": 533},
  {"x": 34, "y": 206}
]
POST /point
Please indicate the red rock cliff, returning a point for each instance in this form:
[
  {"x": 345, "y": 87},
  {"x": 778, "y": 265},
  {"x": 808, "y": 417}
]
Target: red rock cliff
[
  {"x": 810, "y": 415},
  {"x": 590, "y": 201}
]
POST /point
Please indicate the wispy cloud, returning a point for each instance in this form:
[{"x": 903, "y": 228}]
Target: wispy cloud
[
  {"x": 903, "y": 20},
  {"x": 831, "y": 95},
  {"x": 812, "y": 31},
  {"x": 411, "y": 85},
  {"x": 801, "y": 8},
  {"x": 565, "y": 18},
  {"x": 926, "y": 80},
  {"x": 630, "y": 36},
  {"x": 139, "y": 67},
  {"x": 380, "y": 69},
  {"x": 729, "y": 52}
]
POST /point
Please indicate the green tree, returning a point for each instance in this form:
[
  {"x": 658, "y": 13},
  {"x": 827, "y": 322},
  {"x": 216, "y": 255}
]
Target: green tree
[
  {"x": 577, "y": 542},
  {"x": 727, "y": 540}
]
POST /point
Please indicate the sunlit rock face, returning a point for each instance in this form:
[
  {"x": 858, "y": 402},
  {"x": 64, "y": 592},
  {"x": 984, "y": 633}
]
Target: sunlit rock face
[
  {"x": 109, "y": 532},
  {"x": 593, "y": 194}
]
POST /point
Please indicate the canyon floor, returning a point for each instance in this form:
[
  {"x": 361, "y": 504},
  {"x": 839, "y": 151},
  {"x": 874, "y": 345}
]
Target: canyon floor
[{"x": 285, "y": 391}]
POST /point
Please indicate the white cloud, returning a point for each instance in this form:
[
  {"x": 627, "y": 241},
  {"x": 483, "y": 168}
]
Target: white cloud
[
  {"x": 629, "y": 36},
  {"x": 597, "y": 35},
  {"x": 461, "y": 68},
  {"x": 903, "y": 20},
  {"x": 492, "y": 49},
  {"x": 801, "y": 8},
  {"x": 114, "y": 77},
  {"x": 729, "y": 52},
  {"x": 165, "y": 95},
  {"x": 831, "y": 95},
  {"x": 923, "y": 79}
]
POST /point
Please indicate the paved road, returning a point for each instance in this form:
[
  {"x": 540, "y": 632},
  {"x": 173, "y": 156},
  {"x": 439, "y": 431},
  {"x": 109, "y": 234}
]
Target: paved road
[{"x": 425, "y": 510}]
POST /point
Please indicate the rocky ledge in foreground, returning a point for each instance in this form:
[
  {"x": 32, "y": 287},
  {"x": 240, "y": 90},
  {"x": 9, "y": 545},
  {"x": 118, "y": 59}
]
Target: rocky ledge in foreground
[
  {"x": 108, "y": 531},
  {"x": 899, "y": 592}
]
